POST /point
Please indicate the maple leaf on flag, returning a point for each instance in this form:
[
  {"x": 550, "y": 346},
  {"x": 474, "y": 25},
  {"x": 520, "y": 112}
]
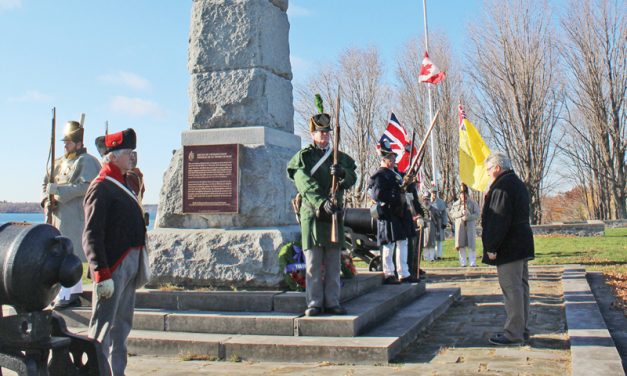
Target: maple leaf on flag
[{"x": 430, "y": 73}]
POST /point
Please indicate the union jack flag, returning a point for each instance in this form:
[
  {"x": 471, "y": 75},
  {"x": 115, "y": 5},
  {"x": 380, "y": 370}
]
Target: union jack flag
[{"x": 396, "y": 136}]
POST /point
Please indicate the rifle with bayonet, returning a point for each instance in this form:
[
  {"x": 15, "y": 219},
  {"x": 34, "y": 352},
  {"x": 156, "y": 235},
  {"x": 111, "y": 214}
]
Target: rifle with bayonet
[
  {"x": 335, "y": 181},
  {"x": 51, "y": 202}
]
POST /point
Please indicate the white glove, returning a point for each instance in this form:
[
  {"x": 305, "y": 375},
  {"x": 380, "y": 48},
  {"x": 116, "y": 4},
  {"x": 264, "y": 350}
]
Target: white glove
[
  {"x": 52, "y": 189},
  {"x": 104, "y": 289}
]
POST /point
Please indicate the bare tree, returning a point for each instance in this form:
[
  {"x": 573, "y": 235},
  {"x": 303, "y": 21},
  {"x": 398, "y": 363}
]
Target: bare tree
[
  {"x": 364, "y": 106},
  {"x": 513, "y": 64},
  {"x": 414, "y": 110},
  {"x": 595, "y": 51}
]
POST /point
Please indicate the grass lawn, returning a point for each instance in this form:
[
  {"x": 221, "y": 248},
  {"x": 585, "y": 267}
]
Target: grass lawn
[
  {"x": 598, "y": 253},
  {"x": 607, "y": 254}
]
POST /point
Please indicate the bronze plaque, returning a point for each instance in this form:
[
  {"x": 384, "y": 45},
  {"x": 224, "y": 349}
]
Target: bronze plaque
[{"x": 211, "y": 179}]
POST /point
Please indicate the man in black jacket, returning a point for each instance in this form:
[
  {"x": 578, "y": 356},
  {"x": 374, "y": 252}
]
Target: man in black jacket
[
  {"x": 508, "y": 244},
  {"x": 396, "y": 224},
  {"x": 113, "y": 240}
]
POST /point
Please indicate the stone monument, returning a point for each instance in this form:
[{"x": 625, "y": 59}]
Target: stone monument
[{"x": 224, "y": 208}]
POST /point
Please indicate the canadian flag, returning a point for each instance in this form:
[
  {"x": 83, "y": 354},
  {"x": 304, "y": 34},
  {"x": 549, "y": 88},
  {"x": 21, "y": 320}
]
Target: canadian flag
[{"x": 429, "y": 72}]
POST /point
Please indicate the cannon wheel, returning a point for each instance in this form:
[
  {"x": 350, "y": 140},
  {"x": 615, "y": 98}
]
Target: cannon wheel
[{"x": 375, "y": 264}]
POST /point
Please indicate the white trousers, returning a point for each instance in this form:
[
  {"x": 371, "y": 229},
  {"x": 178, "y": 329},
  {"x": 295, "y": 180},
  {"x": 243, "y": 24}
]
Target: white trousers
[
  {"x": 66, "y": 292},
  {"x": 387, "y": 250},
  {"x": 428, "y": 254},
  {"x": 472, "y": 257},
  {"x": 438, "y": 249}
]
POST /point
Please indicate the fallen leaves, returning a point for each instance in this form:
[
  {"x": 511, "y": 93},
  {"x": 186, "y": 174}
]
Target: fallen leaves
[{"x": 618, "y": 281}]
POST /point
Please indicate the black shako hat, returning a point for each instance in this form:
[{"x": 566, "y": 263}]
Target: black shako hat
[
  {"x": 385, "y": 149},
  {"x": 116, "y": 141},
  {"x": 320, "y": 121}
]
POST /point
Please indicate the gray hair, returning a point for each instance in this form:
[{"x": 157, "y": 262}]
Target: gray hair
[
  {"x": 107, "y": 157},
  {"x": 498, "y": 158}
]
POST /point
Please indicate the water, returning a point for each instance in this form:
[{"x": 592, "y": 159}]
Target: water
[{"x": 39, "y": 218}]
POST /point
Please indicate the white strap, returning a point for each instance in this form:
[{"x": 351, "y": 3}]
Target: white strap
[
  {"x": 321, "y": 161},
  {"x": 128, "y": 191}
]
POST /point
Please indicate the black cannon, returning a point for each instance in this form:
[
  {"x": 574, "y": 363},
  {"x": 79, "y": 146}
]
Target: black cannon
[
  {"x": 34, "y": 261},
  {"x": 360, "y": 237}
]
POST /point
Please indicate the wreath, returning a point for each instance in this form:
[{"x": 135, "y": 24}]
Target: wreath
[
  {"x": 292, "y": 265},
  {"x": 348, "y": 267}
]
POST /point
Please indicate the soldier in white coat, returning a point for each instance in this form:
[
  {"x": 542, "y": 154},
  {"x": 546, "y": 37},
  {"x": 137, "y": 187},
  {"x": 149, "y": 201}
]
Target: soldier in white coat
[
  {"x": 441, "y": 221},
  {"x": 465, "y": 213},
  {"x": 431, "y": 224},
  {"x": 73, "y": 172}
]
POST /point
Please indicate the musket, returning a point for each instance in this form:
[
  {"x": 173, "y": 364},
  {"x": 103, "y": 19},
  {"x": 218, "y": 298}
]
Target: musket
[
  {"x": 51, "y": 173},
  {"x": 419, "y": 157},
  {"x": 411, "y": 147},
  {"x": 334, "y": 181}
]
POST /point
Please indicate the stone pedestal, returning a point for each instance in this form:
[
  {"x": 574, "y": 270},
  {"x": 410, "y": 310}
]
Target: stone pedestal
[
  {"x": 237, "y": 258},
  {"x": 241, "y": 93}
]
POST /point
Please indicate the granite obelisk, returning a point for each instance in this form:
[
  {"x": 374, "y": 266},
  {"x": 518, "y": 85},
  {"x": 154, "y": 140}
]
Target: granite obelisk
[{"x": 224, "y": 207}]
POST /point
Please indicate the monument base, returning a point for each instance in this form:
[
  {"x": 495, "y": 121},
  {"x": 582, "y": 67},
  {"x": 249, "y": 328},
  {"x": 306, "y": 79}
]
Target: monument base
[{"x": 218, "y": 258}]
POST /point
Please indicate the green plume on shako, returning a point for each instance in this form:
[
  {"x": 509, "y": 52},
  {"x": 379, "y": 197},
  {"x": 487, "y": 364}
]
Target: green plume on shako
[{"x": 320, "y": 121}]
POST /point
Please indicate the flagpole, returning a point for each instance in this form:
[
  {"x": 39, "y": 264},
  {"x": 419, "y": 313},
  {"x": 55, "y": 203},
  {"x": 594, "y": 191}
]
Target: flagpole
[{"x": 424, "y": 9}]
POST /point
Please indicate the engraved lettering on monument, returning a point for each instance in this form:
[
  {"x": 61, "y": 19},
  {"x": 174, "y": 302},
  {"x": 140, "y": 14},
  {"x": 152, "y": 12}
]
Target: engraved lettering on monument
[{"x": 211, "y": 179}]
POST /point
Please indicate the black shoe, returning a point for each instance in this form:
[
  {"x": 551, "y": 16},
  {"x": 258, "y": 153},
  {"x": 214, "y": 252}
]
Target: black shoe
[
  {"x": 421, "y": 272},
  {"x": 73, "y": 301},
  {"x": 501, "y": 340},
  {"x": 313, "y": 311},
  {"x": 391, "y": 280},
  {"x": 409, "y": 279},
  {"x": 337, "y": 310},
  {"x": 526, "y": 336}
]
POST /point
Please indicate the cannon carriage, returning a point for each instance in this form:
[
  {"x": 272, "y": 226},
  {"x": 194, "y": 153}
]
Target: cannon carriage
[{"x": 360, "y": 238}]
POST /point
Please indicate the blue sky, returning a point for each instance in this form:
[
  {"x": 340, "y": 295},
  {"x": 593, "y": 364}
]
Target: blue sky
[{"x": 126, "y": 62}]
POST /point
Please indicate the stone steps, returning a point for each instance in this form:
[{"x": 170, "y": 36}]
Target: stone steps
[
  {"x": 364, "y": 312},
  {"x": 361, "y": 284},
  {"x": 378, "y": 345},
  {"x": 244, "y": 301}
]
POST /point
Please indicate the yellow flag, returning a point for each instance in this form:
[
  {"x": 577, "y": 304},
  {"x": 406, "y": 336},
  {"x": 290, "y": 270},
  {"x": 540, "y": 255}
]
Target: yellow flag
[{"x": 473, "y": 152}]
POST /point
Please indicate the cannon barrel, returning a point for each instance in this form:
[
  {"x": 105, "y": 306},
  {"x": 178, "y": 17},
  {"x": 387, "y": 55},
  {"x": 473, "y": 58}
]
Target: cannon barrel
[
  {"x": 34, "y": 261},
  {"x": 360, "y": 221}
]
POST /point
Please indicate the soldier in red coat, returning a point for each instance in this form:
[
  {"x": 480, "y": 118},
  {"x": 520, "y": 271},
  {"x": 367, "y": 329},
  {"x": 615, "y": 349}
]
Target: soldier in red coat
[{"x": 114, "y": 243}]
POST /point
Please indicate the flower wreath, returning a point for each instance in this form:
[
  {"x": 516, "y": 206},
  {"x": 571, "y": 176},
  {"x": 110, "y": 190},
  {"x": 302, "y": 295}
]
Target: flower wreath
[
  {"x": 292, "y": 265},
  {"x": 348, "y": 268}
]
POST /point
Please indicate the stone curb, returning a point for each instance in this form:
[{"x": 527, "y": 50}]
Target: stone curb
[{"x": 592, "y": 349}]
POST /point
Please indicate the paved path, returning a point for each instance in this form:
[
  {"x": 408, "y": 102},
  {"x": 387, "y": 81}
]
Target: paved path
[
  {"x": 455, "y": 344},
  {"x": 614, "y": 318}
]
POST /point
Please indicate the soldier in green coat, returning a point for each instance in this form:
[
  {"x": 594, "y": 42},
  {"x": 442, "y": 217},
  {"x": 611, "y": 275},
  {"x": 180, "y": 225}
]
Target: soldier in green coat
[{"x": 311, "y": 170}]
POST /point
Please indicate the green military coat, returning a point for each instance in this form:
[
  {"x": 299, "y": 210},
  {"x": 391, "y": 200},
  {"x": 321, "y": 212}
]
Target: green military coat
[{"x": 315, "y": 189}]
